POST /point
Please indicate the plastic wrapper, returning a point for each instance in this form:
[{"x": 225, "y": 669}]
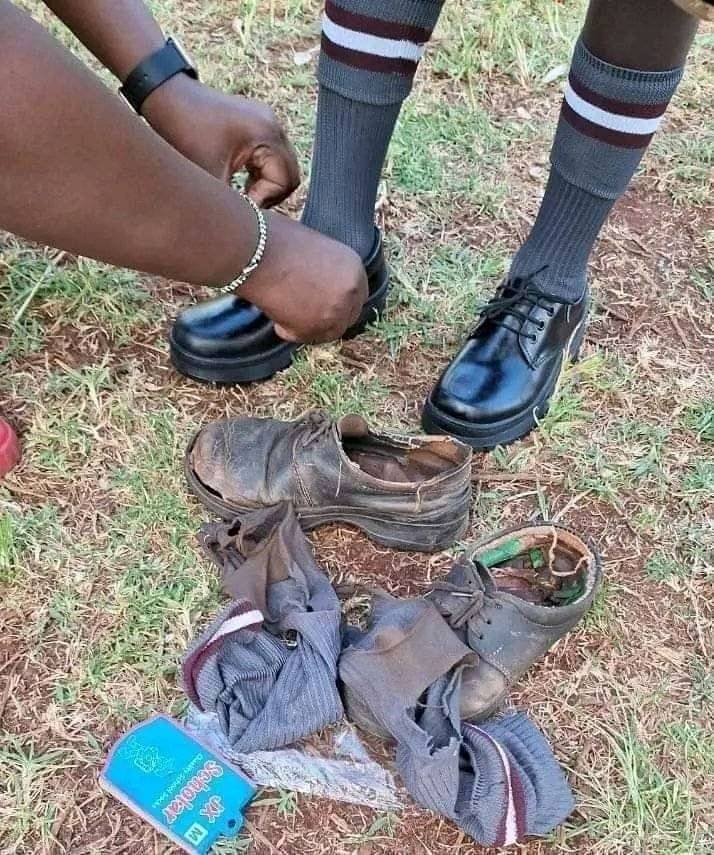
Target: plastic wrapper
[{"x": 348, "y": 774}]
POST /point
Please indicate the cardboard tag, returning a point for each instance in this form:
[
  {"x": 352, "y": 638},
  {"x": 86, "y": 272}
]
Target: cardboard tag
[{"x": 160, "y": 772}]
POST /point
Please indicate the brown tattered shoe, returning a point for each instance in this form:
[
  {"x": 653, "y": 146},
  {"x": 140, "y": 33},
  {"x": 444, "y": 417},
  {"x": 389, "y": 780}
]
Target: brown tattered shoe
[
  {"x": 520, "y": 591},
  {"x": 407, "y": 492}
]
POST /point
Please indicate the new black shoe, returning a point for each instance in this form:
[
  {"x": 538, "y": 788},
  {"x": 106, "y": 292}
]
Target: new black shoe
[
  {"x": 501, "y": 381},
  {"x": 228, "y": 340}
]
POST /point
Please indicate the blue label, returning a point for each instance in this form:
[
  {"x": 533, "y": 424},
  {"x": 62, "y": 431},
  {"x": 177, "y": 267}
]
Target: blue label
[{"x": 186, "y": 791}]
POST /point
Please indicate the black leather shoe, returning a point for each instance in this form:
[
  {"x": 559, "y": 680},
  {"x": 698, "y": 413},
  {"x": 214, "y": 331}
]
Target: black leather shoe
[
  {"x": 229, "y": 340},
  {"x": 501, "y": 381}
]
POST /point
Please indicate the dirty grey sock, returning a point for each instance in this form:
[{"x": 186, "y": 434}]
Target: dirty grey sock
[
  {"x": 268, "y": 666},
  {"x": 499, "y": 781},
  {"x": 607, "y": 120},
  {"x": 408, "y": 648},
  {"x": 370, "y": 52},
  {"x": 532, "y": 797}
]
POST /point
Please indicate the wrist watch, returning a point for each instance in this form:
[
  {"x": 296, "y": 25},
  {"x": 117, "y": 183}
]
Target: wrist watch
[{"x": 154, "y": 71}]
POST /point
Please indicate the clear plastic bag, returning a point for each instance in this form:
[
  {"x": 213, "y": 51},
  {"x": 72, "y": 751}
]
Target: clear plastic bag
[{"x": 348, "y": 775}]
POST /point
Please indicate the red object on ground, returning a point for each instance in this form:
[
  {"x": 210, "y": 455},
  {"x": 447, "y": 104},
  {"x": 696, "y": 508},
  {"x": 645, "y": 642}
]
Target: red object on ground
[{"x": 9, "y": 448}]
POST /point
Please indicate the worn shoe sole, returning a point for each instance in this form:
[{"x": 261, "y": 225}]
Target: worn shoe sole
[
  {"x": 485, "y": 437},
  {"x": 416, "y": 533},
  {"x": 251, "y": 369}
]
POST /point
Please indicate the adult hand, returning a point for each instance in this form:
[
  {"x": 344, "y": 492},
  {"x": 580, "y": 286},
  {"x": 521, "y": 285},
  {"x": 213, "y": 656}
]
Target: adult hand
[
  {"x": 225, "y": 134},
  {"x": 312, "y": 287}
]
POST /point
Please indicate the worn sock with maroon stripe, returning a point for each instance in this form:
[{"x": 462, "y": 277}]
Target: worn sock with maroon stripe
[
  {"x": 369, "y": 55},
  {"x": 607, "y": 120}
]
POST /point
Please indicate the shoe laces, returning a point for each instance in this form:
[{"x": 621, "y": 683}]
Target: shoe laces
[
  {"x": 476, "y": 589},
  {"x": 523, "y": 290},
  {"x": 313, "y": 427}
]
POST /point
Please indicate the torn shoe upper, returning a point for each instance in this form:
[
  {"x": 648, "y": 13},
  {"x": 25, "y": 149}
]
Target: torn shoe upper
[
  {"x": 524, "y": 589},
  {"x": 404, "y": 491}
]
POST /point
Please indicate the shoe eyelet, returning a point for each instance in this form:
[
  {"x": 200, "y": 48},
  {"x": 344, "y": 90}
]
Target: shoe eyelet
[
  {"x": 480, "y": 638},
  {"x": 551, "y": 312},
  {"x": 488, "y": 621},
  {"x": 541, "y": 325},
  {"x": 532, "y": 337}
]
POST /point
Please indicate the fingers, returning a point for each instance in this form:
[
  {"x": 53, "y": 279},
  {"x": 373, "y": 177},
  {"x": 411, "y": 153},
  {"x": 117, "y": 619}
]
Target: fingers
[
  {"x": 323, "y": 332},
  {"x": 321, "y": 336},
  {"x": 265, "y": 192},
  {"x": 273, "y": 174}
]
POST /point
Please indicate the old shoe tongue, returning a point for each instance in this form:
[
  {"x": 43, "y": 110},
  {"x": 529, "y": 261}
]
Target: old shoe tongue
[{"x": 353, "y": 426}]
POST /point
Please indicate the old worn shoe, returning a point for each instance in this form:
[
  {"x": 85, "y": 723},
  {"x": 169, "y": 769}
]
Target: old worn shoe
[
  {"x": 522, "y": 590},
  {"x": 404, "y": 491}
]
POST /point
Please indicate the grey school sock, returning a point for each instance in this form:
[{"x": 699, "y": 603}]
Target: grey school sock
[
  {"x": 499, "y": 781},
  {"x": 369, "y": 55},
  {"x": 267, "y": 666},
  {"x": 607, "y": 120}
]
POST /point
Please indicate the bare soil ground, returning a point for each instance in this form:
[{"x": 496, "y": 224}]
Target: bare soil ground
[{"x": 101, "y": 583}]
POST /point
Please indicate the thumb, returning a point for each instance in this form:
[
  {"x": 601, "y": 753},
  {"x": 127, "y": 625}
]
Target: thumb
[{"x": 284, "y": 333}]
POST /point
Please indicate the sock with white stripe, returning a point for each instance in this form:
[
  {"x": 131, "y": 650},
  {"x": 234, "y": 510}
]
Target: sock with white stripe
[
  {"x": 499, "y": 781},
  {"x": 369, "y": 55},
  {"x": 267, "y": 666},
  {"x": 608, "y": 118}
]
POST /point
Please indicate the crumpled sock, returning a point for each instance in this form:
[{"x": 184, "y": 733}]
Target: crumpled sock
[
  {"x": 499, "y": 781},
  {"x": 512, "y": 786},
  {"x": 267, "y": 666},
  {"x": 396, "y": 675}
]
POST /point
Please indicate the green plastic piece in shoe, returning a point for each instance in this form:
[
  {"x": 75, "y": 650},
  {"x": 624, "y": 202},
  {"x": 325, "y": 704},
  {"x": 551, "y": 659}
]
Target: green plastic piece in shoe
[
  {"x": 537, "y": 559},
  {"x": 498, "y": 554}
]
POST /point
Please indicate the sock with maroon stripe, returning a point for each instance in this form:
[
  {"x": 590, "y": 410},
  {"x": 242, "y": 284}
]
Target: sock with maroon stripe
[
  {"x": 607, "y": 120},
  {"x": 370, "y": 52}
]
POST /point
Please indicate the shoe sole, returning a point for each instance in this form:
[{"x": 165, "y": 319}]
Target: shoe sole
[
  {"x": 252, "y": 369},
  {"x": 484, "y": 438},
  {"x": 390, "y": 532}
]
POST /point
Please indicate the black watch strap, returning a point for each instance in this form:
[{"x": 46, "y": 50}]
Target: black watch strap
[{"x": 155, "y": 70}]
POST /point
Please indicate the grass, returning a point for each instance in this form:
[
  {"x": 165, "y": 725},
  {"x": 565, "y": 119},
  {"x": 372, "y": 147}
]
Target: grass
[
  {"x": 102, "y": 585},
  {"x": 641, "y": 808}
]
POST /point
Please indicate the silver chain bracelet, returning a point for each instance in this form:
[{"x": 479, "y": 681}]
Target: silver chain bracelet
[{"x": 259, "y": 250}]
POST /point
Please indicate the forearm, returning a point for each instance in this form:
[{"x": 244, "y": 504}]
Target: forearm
[
  {"x": 120, "y": 33},
  {"x": 80, "y": 172}
]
